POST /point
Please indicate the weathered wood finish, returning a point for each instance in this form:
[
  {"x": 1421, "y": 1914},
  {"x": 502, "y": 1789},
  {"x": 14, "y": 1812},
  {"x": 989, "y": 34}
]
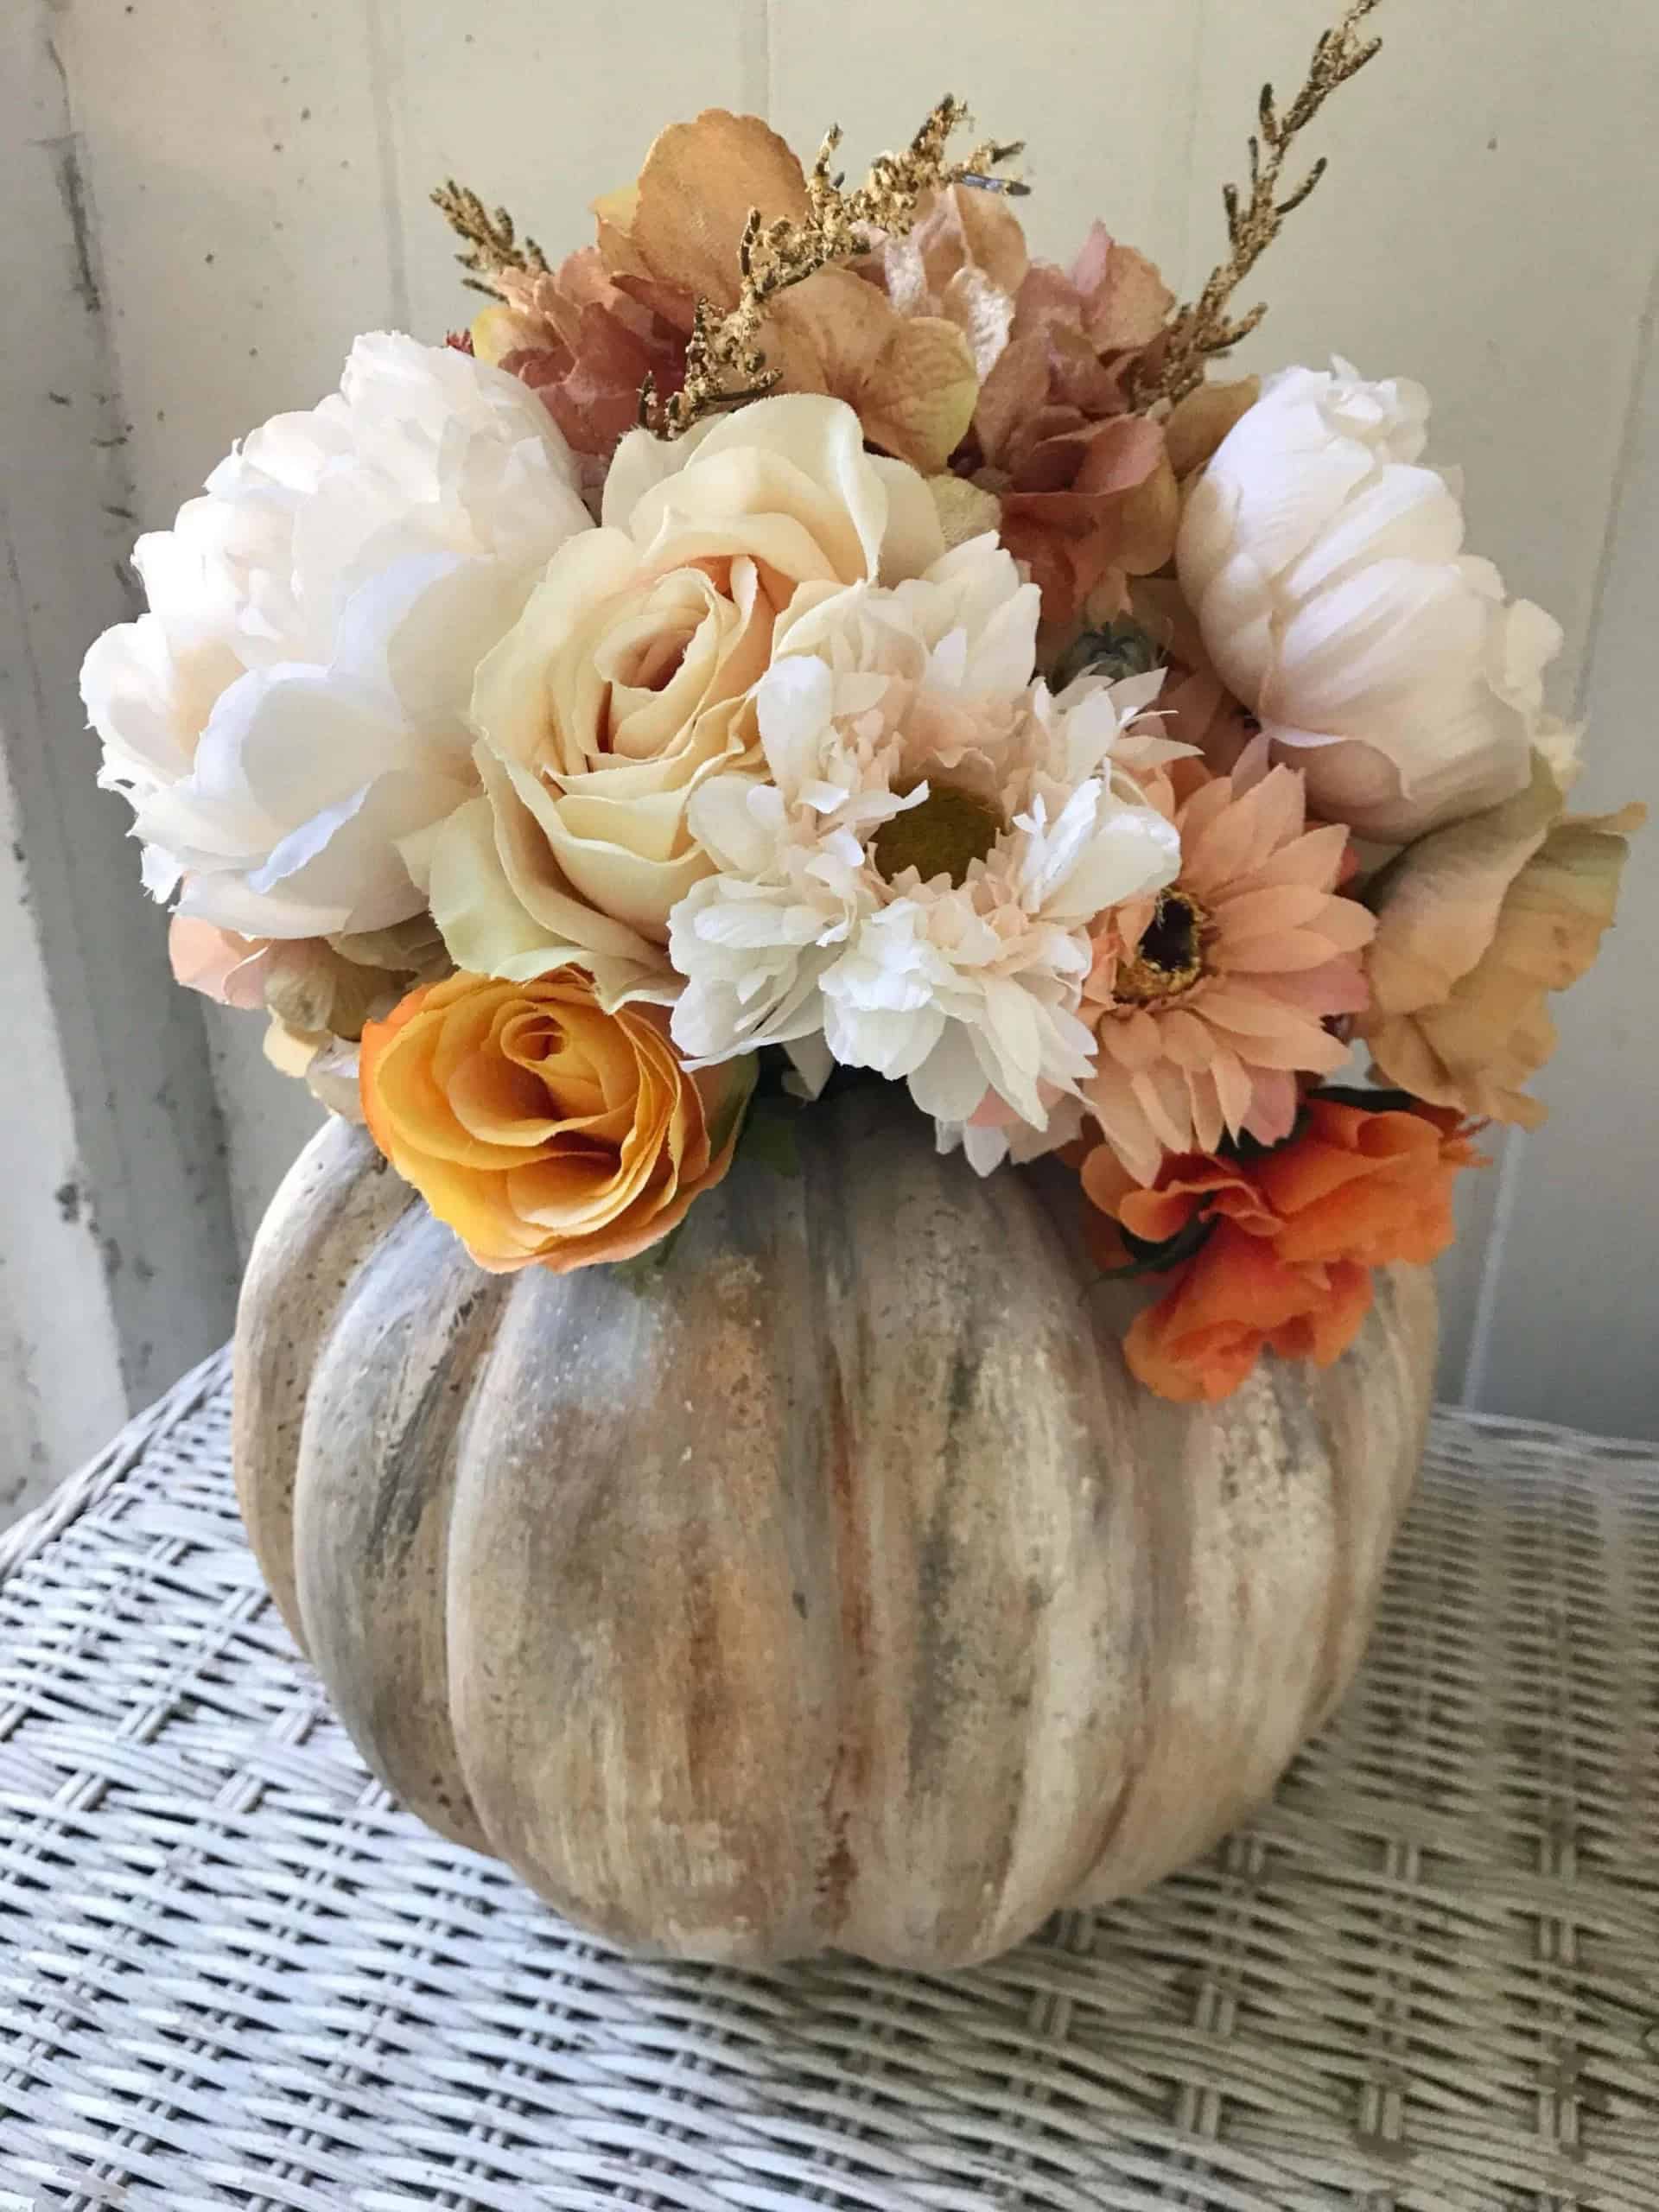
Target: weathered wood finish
[{"x": 836, "y": 1588}]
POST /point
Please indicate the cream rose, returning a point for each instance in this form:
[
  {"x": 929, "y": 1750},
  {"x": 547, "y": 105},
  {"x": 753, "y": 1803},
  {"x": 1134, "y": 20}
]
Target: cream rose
[{"x": 629, "y": 680}]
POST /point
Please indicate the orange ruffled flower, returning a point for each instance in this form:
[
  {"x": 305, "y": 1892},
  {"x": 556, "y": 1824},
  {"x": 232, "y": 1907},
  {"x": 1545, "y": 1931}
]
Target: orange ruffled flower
[
  {"x": 545, "y": 1131},
  {"x": 1296, "y": 1233}
]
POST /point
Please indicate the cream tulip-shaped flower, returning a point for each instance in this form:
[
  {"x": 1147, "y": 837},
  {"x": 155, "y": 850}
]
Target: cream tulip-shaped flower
[
  {"x": 629, "y": 681},
  {"x": 1324, "y": 564}
]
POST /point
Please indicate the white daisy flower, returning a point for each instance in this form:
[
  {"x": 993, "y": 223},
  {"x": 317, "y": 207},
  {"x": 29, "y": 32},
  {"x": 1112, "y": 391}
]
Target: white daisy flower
[{"x": 914, "y": 877}]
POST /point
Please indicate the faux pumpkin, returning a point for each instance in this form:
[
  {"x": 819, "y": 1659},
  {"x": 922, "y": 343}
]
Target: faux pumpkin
[{"x": 834, "y": 1587}]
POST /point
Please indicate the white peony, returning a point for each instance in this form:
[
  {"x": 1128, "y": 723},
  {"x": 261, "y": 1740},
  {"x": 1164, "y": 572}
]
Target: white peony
[
  {"x": 293, "y": 703},
  {"x": 914, "y": 877},
  {"x": 1324, "y": 564}
]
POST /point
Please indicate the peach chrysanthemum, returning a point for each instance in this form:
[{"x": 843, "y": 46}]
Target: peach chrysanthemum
[{"x": 1210, "y": 1000}]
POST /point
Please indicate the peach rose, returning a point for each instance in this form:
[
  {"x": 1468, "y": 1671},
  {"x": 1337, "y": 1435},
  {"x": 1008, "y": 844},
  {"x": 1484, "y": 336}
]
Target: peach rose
[
  {"x": 627, "y": 682},
  {"x": 545, "y": 1131}
]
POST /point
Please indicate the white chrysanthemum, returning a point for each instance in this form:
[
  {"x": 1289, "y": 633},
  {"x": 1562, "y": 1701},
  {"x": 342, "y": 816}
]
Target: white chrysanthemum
[
  {"x": 915, "y": 875},
  {"x": 295, "y": 702}
]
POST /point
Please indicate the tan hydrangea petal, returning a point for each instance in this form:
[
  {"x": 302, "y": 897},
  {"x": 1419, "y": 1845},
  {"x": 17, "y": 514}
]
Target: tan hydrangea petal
[
  {"x": 693, "y": 198},
  {"x": 983, "y": 312},
  {"x": 1012, "y": 393},
  {"x": 1551, "y": 927},
  {"x": 1438, "y": 905},
  {"x": 1097, "y": 504},
  {"x": 918, "y": 399},
  {"x": 965, "y": 260},
  {"x": 310, "y": 987},
  {"x": 964, "y": 510},
  {"x": 1198, "y": 425},
  {"x": 291, "y": 1051},
  {"x": 614, "y": 214},
  {"x": 909, "y": 379},
  {"x": 411, "y": 947},
  {"x": 1146, "y": 522},
  {"x": 1492, "y": 1032},
  {"x": 1124, "y": 301},
  {"x": 988, "y": 231}
]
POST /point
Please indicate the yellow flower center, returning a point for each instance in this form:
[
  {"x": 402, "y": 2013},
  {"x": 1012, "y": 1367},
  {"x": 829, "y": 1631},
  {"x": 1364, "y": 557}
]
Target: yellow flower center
[
  {"x": 950, "y": 830},
  {"x": 1170, "y": 957}
]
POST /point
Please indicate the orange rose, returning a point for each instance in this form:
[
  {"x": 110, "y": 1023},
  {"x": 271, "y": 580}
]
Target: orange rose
[
  {"x": 1294, "y": 1234},
  {"x": 544, "y": 1130}
]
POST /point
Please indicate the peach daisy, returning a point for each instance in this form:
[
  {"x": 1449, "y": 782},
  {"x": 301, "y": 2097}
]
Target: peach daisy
[{"x": 1211, "y": 999}]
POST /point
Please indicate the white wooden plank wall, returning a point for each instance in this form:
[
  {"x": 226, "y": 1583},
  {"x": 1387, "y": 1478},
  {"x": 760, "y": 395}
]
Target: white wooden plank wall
[
  {"x": 256, "y": 179},
  {"x": 116, "y": 1261}
]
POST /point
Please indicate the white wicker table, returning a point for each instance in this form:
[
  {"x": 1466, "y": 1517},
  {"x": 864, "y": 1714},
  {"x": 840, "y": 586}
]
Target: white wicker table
[{"x": 1425, "y": 1979}]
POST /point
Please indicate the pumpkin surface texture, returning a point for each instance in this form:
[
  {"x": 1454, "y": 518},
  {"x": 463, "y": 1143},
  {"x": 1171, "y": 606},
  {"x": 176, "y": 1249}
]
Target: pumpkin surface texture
[{"x": 835, "y": 1586}]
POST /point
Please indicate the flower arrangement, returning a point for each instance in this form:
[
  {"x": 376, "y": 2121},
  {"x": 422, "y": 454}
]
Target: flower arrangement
[{"x": 802, "y": 637}]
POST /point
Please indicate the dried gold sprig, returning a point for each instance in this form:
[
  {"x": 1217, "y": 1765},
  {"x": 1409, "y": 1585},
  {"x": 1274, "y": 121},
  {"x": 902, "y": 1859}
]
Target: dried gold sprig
[
  {"x": 493, "y": 245},
  {"x": 1202, "y": 329},
  {"x": 724, "y": 363}
]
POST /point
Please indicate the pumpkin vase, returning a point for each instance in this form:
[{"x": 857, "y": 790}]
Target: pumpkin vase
[{"x": 831, "y": 1586}]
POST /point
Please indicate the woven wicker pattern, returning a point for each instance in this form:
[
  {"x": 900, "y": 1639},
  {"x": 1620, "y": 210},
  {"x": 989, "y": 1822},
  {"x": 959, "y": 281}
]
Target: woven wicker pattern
[{"x": 1426, "y": 1979}]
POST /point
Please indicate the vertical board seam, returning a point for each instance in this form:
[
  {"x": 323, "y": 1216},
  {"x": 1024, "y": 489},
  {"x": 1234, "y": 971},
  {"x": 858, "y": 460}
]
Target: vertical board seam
[
  {"x": 1477, "y": 1369},
  {"x": 1622, "y": 461},
  {"x": 1477, "y": 1365},
  {"x": 392, "y": 203},
  {"x": 1189, "y": 180},
  {"x": 755, "y": 58}
]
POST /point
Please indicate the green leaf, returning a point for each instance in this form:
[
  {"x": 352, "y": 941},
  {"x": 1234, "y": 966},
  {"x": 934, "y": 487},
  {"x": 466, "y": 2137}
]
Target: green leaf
[
  {"x": 1120, "y": 649},
  {"x": 644, "y": 1270},
  {"x": 744, "y": 1075},
  {"x": 1147, "y": 1259},
  {"x": 770, "y": 1135},
  {"x": 1245, "y": 1149},
  {"x": 1369, "y": 1099}
]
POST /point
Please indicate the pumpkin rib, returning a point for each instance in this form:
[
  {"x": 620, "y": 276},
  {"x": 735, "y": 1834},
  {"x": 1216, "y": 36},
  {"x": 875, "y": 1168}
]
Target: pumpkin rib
[
  {"x": 982, "y": 1584},
  {"x": 640, "y": 1709},
  {"x": 373, "y": 1508},
  {"x": 1404, "y": 1325},
  {"x": 332, "y": 1209}
]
